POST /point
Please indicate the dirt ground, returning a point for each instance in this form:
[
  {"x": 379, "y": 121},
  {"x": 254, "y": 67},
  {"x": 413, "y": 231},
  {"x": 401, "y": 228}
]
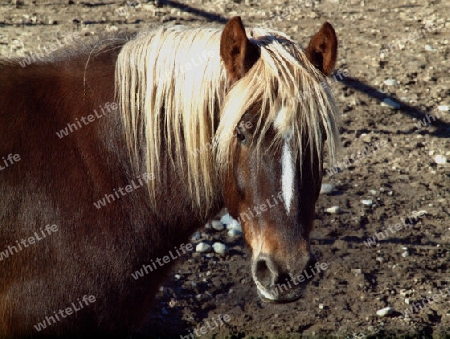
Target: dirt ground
[{"x": 393, "y": 70}]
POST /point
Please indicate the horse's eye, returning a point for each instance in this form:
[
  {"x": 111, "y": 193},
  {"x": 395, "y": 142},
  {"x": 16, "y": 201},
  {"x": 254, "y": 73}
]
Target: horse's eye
[{"x": 239, "y": 135}]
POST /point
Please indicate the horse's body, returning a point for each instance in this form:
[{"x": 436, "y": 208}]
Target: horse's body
[{"x": 92, "y": 250}]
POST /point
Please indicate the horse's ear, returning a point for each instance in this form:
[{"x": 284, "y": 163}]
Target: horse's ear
[
  {"x": 322, "y": 49},
  {"x": 236, "y": 50}
]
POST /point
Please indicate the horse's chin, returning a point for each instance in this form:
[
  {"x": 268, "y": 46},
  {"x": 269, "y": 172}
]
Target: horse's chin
[{"x": 280, "y": 299}]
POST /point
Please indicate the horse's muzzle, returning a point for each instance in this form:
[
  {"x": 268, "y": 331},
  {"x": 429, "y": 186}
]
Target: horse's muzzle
[{"x": 279, "y": 285}]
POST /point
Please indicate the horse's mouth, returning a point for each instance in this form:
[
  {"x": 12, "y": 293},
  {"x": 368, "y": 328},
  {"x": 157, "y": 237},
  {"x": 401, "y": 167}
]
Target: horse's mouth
[
  {"x": 275, "y": 298},
  {"x": 280, "y": 301}
]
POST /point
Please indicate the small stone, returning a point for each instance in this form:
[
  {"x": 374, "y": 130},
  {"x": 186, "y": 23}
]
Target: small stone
[
  {"x": 203, "y": 247},
  {"x": 373, "y": 192},
  {"x": 440, "y": 159},
  {"x": 388, "y": 102},
  {"x": 321, "y": 306},
  {"x": 406, "y": 293},
  {"x": 326, "y": 189},
  {"x": 366, "y": 137},
  {"x": 367, "y": 202},
  {"x": 390, "y": 82},
  {"x": 429, "y": 48},
  {"x": 112, "y": 28},
  {"x": 220, "y": 248},
  {"x": 196, "y": 236},
  {"x": 444, "y": 108},
  {"x": 407, "y": 301},
  {"x": 217, "y": 225},
  {"x": 405, "y": 254},
  {"x": 333, "y": 210},
  {"x": 356, "y": 270},
  {"x": 234, "y": 225},
  {"x": 234, "y": 233},
  {"x": 385, "y": 311},
  {"x": 380, "y": 260},
  {"x": 226, "y": 219},
  {"x": 418, "y": 214}
]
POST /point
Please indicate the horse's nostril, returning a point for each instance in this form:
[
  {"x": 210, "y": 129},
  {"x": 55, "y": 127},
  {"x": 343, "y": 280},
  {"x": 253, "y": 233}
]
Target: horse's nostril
[
  {"x": 283, "y": 278},
  {"x": 312, "y": 261},
  {"x": 263, "y": 273}
]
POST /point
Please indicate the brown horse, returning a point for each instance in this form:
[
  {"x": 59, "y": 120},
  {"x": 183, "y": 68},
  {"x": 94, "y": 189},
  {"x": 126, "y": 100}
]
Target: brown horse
[{"x": 100, "y": 174}]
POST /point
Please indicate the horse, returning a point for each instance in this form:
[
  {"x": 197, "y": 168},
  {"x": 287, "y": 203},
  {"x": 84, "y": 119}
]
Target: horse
[{"x": 102, "y": 174}]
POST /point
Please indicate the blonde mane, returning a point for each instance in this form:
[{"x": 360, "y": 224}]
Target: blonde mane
[{"x": 167, "y": 107}]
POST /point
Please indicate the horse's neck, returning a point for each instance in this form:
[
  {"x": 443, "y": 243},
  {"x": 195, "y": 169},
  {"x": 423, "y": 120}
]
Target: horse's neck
[
  {"x": 50, "y": 97},
  {"x": 42, "y": 99},
  {"x": 59, "y": 90}
]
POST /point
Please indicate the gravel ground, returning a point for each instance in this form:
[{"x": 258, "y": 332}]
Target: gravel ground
[{"x": 393, "y": 72}]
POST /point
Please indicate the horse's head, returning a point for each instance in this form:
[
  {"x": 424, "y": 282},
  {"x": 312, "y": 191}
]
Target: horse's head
[{"x": 272, "y": 166}]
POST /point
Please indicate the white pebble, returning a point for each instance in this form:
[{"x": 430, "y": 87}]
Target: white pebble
[
  {"x": 333, "y": 210},
  {"x": 367, "y": 202},
  {"x": 388, "y": 102},
  {"x": 390, "y": 82},
  {"x": 429, "y": 48},
  {"x": 195, "y": 236},
  {"x": 226, "y": 219},
  {"x": 385, "y": 311},
  {"x": 234, "y": 225},
  {"x": 234, "y": 233},
  {"x": 217, "y": 225},
  {"x": 203, "y": 247},
  {"x": 406, "y": 293},
  {"x": 220, "y": 248},
  {"x": 326, "y": 189},
  {"x": 321, "y": 306},
  {"x": 419, "y": 214},
  {"x": 444, "y": 108},
  {"x": 440, "y": 159}
]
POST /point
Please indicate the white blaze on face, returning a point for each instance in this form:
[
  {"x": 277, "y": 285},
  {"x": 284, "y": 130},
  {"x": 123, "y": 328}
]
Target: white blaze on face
[
  {"x": 287, "y": 174},
  {"x": 287, "y": 162}
]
